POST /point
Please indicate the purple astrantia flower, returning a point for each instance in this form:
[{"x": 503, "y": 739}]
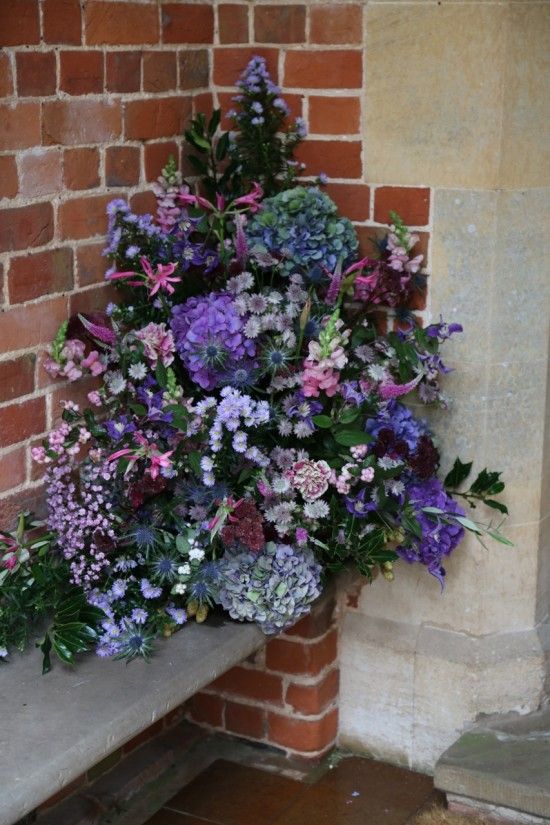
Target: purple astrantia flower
[
  {"x": 357, "y": 506},
  {"x": 395, "y": 416},
  {"x": 209, "y": 333},
  {"x": 119, "y": 427},
  {"x": 298, "y": 406},
  {"x": 439, "y": 538}
]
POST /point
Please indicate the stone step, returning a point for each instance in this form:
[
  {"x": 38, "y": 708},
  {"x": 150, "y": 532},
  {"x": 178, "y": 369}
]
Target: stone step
[{"x": 503, "y": 764}]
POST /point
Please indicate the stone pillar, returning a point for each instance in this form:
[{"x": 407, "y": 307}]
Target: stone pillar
[{"x": 455, "y": 101}]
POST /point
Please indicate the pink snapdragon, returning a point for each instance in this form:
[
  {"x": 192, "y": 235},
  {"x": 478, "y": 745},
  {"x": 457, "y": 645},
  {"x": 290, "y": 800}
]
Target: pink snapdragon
[
  {"x": 72, "y": 364},
  {"x": 158, "y": 343},
  {"x": 310, "y": 478},
  {"x": 399, "y": 254}
]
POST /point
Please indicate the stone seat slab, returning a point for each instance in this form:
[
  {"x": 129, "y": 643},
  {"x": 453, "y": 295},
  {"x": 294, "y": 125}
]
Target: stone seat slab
[
  {"x": 54, "y": 727},
  {"x": 505, "y": 762}
]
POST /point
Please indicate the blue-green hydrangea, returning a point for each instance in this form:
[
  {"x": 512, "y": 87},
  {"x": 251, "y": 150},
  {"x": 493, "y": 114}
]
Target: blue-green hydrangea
[
  {"x": 302, "y": 226},
  {"x": 273, "y": 588}
]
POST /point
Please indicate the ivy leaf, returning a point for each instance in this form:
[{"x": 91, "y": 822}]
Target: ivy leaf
[
  {"x": 458, "y": 474},
  {"x": 497, "y": 505}
]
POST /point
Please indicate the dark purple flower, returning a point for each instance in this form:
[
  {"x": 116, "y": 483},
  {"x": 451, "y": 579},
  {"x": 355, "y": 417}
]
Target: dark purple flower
[
  {"x": 358, "y": 507},
  {"x": 119, "y": 427}
]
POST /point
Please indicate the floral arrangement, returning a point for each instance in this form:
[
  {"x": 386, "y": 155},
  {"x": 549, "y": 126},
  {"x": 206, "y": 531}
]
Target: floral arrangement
[{"x": 247, "y": 434}]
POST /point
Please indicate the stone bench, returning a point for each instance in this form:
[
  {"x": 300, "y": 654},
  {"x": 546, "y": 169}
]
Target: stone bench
[{"x": 54, "y": 727}]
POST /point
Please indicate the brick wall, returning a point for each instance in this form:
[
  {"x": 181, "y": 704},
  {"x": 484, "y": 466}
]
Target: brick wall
[{"x": 285, "y": 695}]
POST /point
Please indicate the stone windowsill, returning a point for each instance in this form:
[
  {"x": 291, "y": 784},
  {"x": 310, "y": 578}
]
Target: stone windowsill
[{"x": 54, "y": 727}]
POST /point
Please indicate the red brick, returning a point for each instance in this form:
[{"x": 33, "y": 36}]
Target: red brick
[
  {"x": 245, "y": 720},
  {"x": 20, "y": 421},
  {"x": 77, "y": 392},
  {"x": 156, "y": 117},
  {"x": 40, "y": 172},
  {"x": 233, "y": 23},
  {"x": 6, "y": 77},
  {"x": 187, "y": 23},
  {"x": 285, "y": 656},
  {"x": 334, "y": 115},
  {"x": 143, "y": 202},
  {"x": 335, "y": 24},
  {"x": 19, "y": 126},
  {"x": 94, "y": 299},
  {"x": 12, "y": 469},
  {"x": 41, "y": 273},
  {"x": 83, "y": 217},
  {"x": 19, "y": 22},
  {"x": 194, "y": 68},
  {"x": 203, "y": 102},
  {"x": 143, "y": 737},
  {"x": 335, "y": 69},
  {"x": 412, "y": 204},
  {"x": 81, "y": 72},
  {"x": 352, "y": 199},
  {"x": 28, "y": 326},
  {"x": 207, "y": 709},
  {"x": 32, "y": 499},
  {"x": 230, "y": 63},
  {"x": 122, "y": 165},
  {"x": 120, "y": 24},
  {"x": 73, "y": 122},
  {"x": 316, "y": 623},
  {"x": 156, "y": 157},
  {"x": 252, "y": 684},
  {"x": 17, "y": 377},
  {"x": 123, "y": 71},
  {"x": 338, "y": 159},
  {"x": 280, "y": 24},
  {"x": 301, "y": 734},
  {"x": 90, "y": 264},
  {"x": 35, "y": 73},
  {"x": 159, "y": 71},
  {"x": 9, "y": 185},
  {"x": 26, "y": 226},
  {"x": 61, "y": 21},
  {"x": 81, "y": 168},
  {"x": 310, "y": 700}
]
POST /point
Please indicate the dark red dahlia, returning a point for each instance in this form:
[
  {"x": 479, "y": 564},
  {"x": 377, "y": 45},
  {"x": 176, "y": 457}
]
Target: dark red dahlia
[{"x": 425, "y": 460}]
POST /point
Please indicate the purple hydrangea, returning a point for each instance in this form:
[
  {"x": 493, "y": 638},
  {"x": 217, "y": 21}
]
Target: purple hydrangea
[
  {"x": 273, "y": 588},
  {"x": 439, "y": 538},
  {"x": 209, "y": 336},
  {"x": 395, "y": 416}
]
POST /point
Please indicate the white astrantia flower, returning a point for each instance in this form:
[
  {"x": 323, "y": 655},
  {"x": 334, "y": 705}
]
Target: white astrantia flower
[
  {"x": 138, "y": 371},
  {"x": 377, "y": 372},
  {"x": 316, "y": 509},
  {"x": 280, "y": 484},
  {"x": 241, "y": 304},
  {"x": 302, "y": 429},
  {"x": 257, "y": 304},
  {"x": 284, "y": 427},
  {"x": 252, "y": 328},
  {"x": 387, "y": 463},
  {"x": 116, "y": 382}
]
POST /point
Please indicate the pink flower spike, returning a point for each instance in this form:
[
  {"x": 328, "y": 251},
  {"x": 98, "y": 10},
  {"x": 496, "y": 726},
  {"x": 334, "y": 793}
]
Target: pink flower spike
[
  {"x": 390, "y": 390},
  {"x": 220, "y": 202},
  {"x": 103, "y": 334},
  {"x": 120, "y": 453}
]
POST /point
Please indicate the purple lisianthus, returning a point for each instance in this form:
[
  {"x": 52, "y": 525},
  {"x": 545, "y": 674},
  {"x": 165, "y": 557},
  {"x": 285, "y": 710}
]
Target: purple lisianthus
[
  {"x": 439, "y": 538},
  {"x": 209, "y": 333},
  {"x": 298, "y": 406},
  {"x": 358, "y": 506},
  {"x": 119, "y": 427}
]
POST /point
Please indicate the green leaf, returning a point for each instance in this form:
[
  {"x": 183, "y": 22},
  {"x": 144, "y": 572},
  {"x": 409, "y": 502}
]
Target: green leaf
[
  {"x": 45, "y": 646},
  {"x": 349, "y": 415},
  {"x": 182, "y": 544},
  {"x": 194, "y": 461},
  {"x": 352, "y": 438},
  {"x": 469, "y": 524},
  {"x": 497, "y": 505},
  {"x": 458, "y": 474},
  {"x": 197, "y": 141},
  {"x": 138, "y": 409},
  {"x": 214, "y": 121},
  {"x": 323, "y": 421},
  {"x": 222, "y": 146},
  {"x": 433, "y": 511},
  {"x": 500, "y": 538},
  {"x": 161, "y": 375},
  {"x": 410, "y": 523}
]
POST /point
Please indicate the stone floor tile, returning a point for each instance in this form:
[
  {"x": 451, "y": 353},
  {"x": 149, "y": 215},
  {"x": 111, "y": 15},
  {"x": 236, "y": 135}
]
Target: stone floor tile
[
  {"x": 360, "y": 791},
  {"x": 236, "y": 795},
  {"x": 165, "y": 817}
]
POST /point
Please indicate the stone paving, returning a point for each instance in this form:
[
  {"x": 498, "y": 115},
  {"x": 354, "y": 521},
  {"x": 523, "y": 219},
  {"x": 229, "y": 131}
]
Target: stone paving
[{"x": 357, "y": 791}]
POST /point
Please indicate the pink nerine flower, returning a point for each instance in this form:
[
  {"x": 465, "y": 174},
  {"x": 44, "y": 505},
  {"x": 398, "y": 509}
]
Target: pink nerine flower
[
  {"x": 161, "y": 278},
  {"x": 310, "y": 478},
  {"x": 158, "y": 343}
]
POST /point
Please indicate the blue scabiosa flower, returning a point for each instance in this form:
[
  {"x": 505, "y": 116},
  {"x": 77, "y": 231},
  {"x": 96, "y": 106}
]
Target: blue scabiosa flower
[{"x": 148, "y": 590}]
